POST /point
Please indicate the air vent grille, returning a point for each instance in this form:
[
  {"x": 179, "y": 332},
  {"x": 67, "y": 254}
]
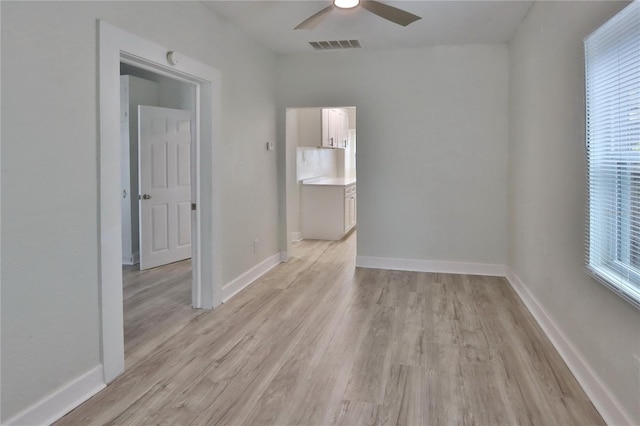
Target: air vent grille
[{"x": 335, "y": 44}]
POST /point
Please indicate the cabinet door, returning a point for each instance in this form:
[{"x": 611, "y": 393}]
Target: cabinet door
[
  {"x": 352, "y": 211},
  {"x": 345, "y": 127},
  {"x": 327, "y": 137},
  {"x": 342, "y": 128},
  {"x": 335, "y": 127},
  {"x": 349, "y": 212}
]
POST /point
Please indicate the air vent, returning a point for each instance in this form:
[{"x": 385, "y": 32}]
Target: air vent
[{"x": 335, "y": 44}]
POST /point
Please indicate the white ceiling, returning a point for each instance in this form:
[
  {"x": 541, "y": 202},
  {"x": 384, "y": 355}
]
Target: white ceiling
[{"x": 443, "y": 22}]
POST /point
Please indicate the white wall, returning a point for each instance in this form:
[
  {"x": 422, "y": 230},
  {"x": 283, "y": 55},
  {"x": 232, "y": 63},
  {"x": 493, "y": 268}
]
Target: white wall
[
  {"x": 547, "y": 192},
  {"x": 50, "y": 319},
  {"x": 432, "y": 145}
]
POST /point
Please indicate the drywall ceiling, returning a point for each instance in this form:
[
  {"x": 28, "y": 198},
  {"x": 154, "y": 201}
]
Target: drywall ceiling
[{"x": 443, "y": 22}]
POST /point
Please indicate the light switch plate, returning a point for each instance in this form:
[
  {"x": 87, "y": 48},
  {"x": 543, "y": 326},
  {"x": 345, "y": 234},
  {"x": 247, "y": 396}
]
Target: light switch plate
[{"x": 269, "y": 146}]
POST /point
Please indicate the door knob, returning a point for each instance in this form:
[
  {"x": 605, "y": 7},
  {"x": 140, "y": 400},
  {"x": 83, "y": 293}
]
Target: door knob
[{"x": 146, "y": 197}]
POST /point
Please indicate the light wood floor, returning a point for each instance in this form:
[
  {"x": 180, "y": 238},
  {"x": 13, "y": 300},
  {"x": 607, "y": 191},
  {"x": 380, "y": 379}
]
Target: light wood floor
[{"x": 317, "y": 341}]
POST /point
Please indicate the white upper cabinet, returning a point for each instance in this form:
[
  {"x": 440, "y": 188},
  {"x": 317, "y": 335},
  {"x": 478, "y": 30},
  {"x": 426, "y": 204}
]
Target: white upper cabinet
[
  {"x": 327, "y": 136},
  {"x": 336, "y": 128},
  {"x": 325, "y": 127}
]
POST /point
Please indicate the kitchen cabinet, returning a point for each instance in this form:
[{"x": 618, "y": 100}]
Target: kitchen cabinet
[
  {"x": 342, "y": 132},
  {"x": 350, "y": 208},
  {"x": 328, "y": 208},
  {"x": 323, "y": 127},
  {"x": 335, "y": 127}
]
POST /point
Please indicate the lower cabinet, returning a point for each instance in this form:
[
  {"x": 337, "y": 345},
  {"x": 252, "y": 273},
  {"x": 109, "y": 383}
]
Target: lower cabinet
[
  {"x": 328, "y": 212},
  {"x": 349, "y": 208}
]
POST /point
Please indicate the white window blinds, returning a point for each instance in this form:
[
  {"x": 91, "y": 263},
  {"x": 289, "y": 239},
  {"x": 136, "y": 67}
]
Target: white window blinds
[{"x": 612, "y": 65}]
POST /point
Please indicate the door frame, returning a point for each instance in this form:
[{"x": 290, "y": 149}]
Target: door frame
[{"x": 115, "y": 46}]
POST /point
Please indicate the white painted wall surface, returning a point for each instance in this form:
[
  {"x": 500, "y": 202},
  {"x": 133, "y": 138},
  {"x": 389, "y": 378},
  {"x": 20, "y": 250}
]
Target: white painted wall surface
[
  {"x": 49, "y": 167},
  {"x": 547, "y": 193},
  {"x": 432, "y": 145}
]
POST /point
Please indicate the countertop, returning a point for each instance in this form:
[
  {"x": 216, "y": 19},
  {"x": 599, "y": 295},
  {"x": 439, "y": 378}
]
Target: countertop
[{"x": 329, "y": 181}]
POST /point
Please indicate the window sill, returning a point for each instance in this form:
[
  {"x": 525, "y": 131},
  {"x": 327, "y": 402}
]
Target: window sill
[{"x": 615, "y": 284}]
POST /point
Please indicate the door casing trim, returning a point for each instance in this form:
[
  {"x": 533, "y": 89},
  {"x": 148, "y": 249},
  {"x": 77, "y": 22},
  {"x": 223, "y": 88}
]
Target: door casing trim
[{"x": 114, "y": 46}]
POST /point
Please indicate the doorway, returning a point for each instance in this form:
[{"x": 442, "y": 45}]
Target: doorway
[
  {"x": 117, "y": 46},
  {"x": 157, "y": 165},
  {"x": 321, "y": 190}
]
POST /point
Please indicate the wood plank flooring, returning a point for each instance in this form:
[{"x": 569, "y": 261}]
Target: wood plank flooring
[{"x": 317, "y": 341}]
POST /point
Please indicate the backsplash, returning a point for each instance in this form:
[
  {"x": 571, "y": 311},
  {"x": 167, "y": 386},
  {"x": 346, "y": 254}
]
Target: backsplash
[{"x": 316, "y": 162}]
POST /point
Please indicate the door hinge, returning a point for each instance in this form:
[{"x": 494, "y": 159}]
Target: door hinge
[{"x": 193, "y": 206}]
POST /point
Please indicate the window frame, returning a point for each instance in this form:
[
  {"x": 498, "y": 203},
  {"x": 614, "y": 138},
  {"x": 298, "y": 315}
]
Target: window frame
[{"x": 613, "y": 242}]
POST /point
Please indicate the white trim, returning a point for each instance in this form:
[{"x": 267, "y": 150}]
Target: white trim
[
  {"x": 61, "y": 401},
  {"x": 133, "y": 260},
  {"x": 602, "y": 398},
  {"x": 440, "y": 266},
  {"x": 115, "y": 46},
  {"x": 296, "y": 236},
  {"x": 235, "y": 286}
]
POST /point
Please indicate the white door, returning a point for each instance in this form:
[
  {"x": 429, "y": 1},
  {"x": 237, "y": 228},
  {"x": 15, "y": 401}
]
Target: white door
[{"x": 164, "y": 173}]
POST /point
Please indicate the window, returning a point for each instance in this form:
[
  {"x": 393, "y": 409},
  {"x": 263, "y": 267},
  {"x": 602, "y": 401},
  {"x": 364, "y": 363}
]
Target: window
[{"x": 612, "y": 65}]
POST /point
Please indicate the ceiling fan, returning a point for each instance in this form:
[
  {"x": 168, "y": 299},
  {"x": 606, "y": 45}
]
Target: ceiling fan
[{"x": 390, "y": 13}]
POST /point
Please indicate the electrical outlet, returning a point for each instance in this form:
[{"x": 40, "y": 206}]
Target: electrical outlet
[{"x": 255, "y": 246}]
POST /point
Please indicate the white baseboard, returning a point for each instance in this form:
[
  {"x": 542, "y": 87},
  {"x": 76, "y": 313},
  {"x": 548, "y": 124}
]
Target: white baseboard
[
  {"x": 418, "y": 265},
  {"x": 296, "y": 236},
  {"x": 232, "y": 288},
  {"x": 60, "y": 402},
  {"x": 131, "y": 260},
  {"x": 600, "y": 395}
]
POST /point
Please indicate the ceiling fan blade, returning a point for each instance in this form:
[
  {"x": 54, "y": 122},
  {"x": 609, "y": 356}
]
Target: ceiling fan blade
[
  {"x": 311, "y": 22},
  {"x": 390, "y": 13}
]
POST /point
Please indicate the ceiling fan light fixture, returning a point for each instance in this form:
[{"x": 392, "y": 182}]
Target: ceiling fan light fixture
[
  {"x": 385, "y": 11},
  {"x": 346, "y": 4}
]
